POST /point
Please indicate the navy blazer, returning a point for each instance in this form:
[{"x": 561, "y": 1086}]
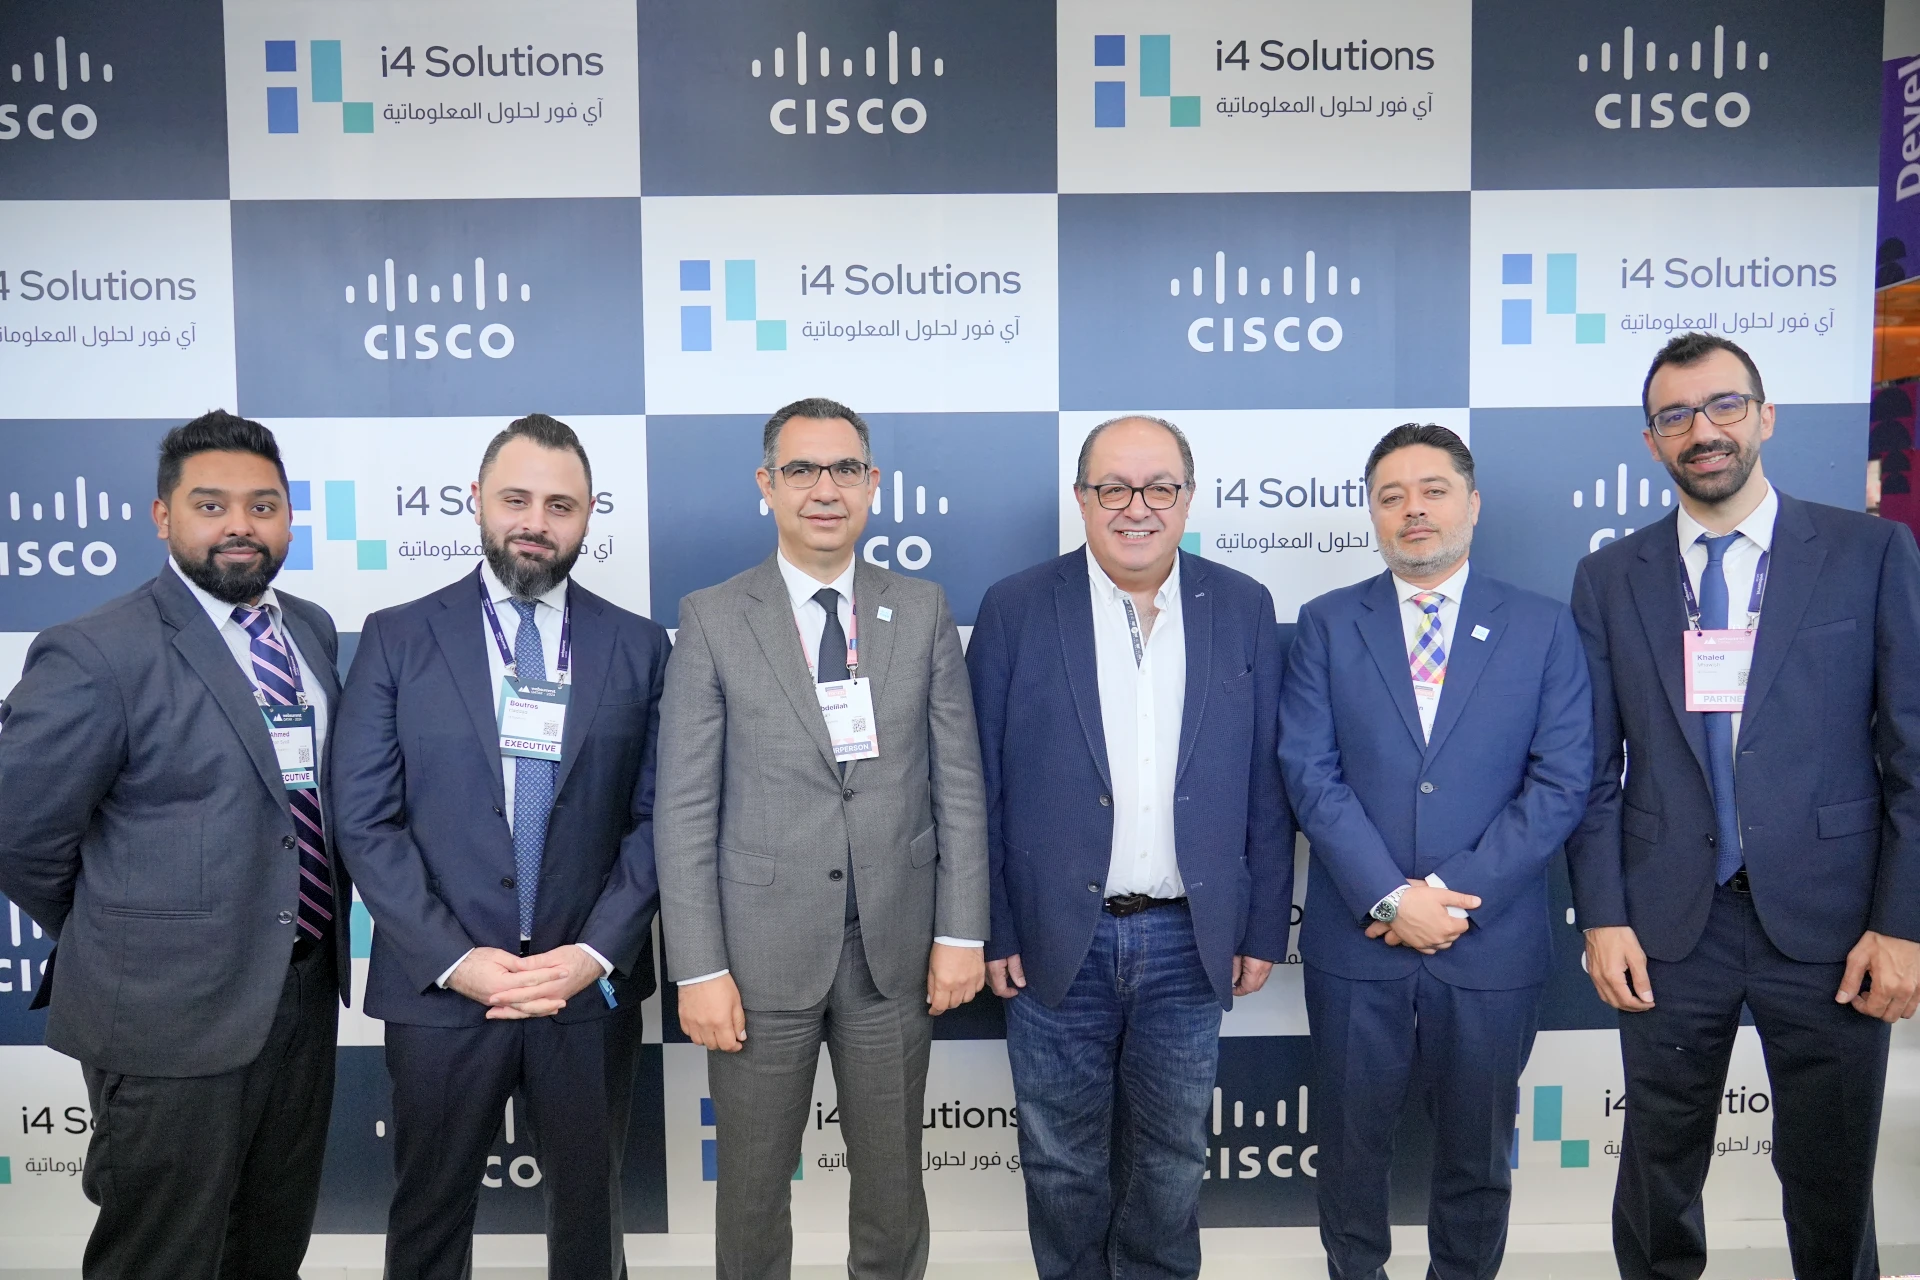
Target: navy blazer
[
  {"x": 420, "y": 805},
  {"x": 1486, "y": 801},
  {"x": 1036, "y": 692},
  {"x": 1829, "y": 747}
]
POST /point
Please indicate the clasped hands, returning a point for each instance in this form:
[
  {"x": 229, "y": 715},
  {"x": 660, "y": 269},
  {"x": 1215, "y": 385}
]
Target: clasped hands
[
  {"x": 1423, "y": 922},
  {"x": 514, "y": 987}
]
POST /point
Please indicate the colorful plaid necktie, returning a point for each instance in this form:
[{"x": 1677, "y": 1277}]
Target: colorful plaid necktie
[
  {"x": 277, "y": 677},
  {"x": 1428, "y": 657}
]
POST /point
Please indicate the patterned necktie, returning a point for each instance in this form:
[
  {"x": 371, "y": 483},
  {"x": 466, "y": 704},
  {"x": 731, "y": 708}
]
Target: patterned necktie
[
  {"x": 533, "y": 780},
  {"x": 1428, "y": 657},
  {"x": 1719, "y": 724},
  {"x": 276, "y": 675}
]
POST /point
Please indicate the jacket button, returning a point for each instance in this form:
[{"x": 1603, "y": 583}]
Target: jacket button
[
  {"x": 1106, "y": 802},
  {"x": 1092, "y": 887},
  {"x": 286, "y": 842},
  {"x": 498, "y": 810},
  {"x": 835, "y": 875},
  {"x": 506, "y": 882},
  {"x": 847, "y": 794},
  {"x": 286, "y": 917},
  {"x": 1426, "y": 788}
]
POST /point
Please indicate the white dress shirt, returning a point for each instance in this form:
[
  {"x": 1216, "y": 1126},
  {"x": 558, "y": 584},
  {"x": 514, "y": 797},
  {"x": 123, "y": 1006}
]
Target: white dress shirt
[
  {"x": 1141, "y": 705},
  {"x": 1739, "y": 564},
  {"x": 810, "y": 620},
  {"x": 240, "y": 645},
  {"x": 1413, "y": 620}
]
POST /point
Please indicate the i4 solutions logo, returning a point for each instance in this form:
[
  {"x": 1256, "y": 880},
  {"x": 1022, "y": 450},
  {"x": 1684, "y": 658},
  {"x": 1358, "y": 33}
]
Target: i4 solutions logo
[
  {"x": 741, "y": 305},
  {"x": 54, "y": 77},
  {"x": 339, "y": 521},
  {"x": 1561, "y": 279},
  {"x": 325, "y": 85},
  {"x": 1549, "y": 1125},
  {"x": 864, "y": 104},
  {"x": 1155, "y": 62}
]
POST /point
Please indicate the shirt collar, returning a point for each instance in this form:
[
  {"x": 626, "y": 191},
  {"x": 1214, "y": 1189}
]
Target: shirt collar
[
  {"x": 1452, "y": 589},
  {"x": 219, "y": 610},
  {"x": 1758, "y": 525},
  {"x": 801, "y": 585},
  {"x": 555, "y": 599},
  {"x": 1167, "y": 597}
]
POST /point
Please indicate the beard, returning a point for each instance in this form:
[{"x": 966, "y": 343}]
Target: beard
[
  {"x": 524, "y": 577},
  {"x": 230, "y": 584},
  {"x": 1451, "y": 550},
  {"x": 1720, "y": 485}
]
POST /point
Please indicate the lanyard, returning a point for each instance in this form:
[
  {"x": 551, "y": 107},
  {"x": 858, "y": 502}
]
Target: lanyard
[
  {"x": 853, "y": 641},
  {"x": 1133, "y": 625},
  {"x": 506, "y": 650},
  {"x": 1753, "y": 601}
]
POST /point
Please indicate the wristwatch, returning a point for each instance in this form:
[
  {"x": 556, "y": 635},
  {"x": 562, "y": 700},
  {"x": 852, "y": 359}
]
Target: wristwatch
[{"x": 1388, "y": 908}]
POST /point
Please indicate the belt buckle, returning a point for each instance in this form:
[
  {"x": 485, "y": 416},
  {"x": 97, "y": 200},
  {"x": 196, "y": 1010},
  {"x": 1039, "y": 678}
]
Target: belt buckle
[
  {"x": 1739, "y": 883},
  {"x": 1127, "y": 904}
]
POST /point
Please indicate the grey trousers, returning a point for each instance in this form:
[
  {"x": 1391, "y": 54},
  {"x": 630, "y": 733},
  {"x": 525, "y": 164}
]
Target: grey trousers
[{"x": 762, "y": 1100}]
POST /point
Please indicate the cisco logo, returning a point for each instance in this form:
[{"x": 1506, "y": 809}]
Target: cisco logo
[
  {"x": 1249, "y": 1150},
  {"x": 1655, "y": 108},
  {"x": 48, "y": 121},
  {"x": 1628, "y": 498},
  {"x": 1312, "y": 285},
  {"x": 55, "y": 552},
  {"x": 461, "y": 340},
  {"x": 841, "y": 114}
]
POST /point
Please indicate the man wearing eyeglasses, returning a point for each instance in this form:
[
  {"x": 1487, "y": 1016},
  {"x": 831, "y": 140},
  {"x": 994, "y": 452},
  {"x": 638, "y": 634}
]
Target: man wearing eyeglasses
[
  {"x": 1756, "y": 676},
  {"x": 1142, "y": 852},
  {"x": 821, "y": 844}
]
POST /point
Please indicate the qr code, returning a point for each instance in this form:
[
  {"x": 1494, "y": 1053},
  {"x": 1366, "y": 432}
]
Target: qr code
[
  {"x": 550, "y": 729},
  {"x": 304, "y": 755},
  {"x": 1740, "y": 678},
  {"x": 859, "y": 724}
]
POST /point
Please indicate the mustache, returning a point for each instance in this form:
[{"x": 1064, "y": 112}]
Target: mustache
[
  {"x": 234, "y": 544},
  {"x": 1707, "y": 449},
  {"x": 1417, "y": 526},
  {"x": 533, "y": 539}
]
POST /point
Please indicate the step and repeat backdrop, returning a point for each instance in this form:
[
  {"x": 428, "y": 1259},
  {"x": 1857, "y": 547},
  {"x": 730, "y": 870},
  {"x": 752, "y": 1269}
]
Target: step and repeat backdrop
[{"x": 386, "y": 229}]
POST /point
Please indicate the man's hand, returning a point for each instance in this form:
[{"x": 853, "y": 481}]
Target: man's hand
[
  {"x": 712, "y": 1016},
  {"x": 1423, "y": 922},
  {"x": 1618, "y": 968},
  {"x": 1249, "y": 974},
  {"x": 1893, "y": 965},
  {"x": 547, "y": 982},
  {"x": 488, "y": 972},
  {"x": 954, "y": 976},
  {"x": 1006, "y": 977}
]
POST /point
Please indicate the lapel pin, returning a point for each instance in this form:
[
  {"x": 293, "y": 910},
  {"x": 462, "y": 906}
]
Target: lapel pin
[
  {"x": 884, "y": 614},
  {"x": 1481, "y": 633}
]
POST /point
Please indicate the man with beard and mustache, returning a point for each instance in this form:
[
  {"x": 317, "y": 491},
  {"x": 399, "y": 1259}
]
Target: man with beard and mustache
[
  {"x": 1436, "y": 733},
  {"x": 1763, "y": 847},
  {"x": 163, "y": 776},
  {"x": 495, "y": 752}
]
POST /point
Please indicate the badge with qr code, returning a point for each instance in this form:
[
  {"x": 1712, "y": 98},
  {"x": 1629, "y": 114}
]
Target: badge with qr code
[
  {"x": 533, "y": 718},
  {"x": 847, "y": 706}
]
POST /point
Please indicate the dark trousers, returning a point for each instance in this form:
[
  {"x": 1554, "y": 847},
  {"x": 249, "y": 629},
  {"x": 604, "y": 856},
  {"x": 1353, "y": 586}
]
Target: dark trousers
[
  {"x": 763, "y": 1094},
  {"x": 217, "y": 1177},
  {"x": 1826, "y": 1066},
  {"x": 1461, "y": 1051},
  {"x": 450, "y": 1091},
  {"x": 1114, "y": 1085}
]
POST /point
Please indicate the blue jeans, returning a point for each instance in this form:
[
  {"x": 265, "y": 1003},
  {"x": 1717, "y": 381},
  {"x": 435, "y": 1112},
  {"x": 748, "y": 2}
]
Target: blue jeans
[{"x": 1114, "y": 1087}]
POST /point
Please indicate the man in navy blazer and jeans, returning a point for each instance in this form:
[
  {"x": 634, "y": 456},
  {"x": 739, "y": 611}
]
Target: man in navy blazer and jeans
[
  {"x": 1141, "y": 852},
  {"x": 1765, "y": 854},
  {"x": 1436, "y": 733},
  {"x": 512, "y": 895}
]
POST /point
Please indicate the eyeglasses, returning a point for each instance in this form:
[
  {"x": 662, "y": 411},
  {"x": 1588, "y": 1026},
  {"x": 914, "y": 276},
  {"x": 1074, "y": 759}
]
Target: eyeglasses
[
  {"x": 1118, "y": 497},
  {"x": 1721, "y": 411},
  {"x": 848, "y": 473}
]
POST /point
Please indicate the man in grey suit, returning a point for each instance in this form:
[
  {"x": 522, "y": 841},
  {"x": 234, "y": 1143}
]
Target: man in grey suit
[
  {"x": 821, "y": 842},
  {"x": 161, "y": 773}
]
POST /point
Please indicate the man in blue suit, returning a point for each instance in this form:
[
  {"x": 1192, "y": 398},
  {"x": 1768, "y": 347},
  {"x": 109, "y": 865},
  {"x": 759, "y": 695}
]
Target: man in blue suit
[
  {"x": 1436, "y": 733},
  {"x": 1763, "y": 847},
  {"x": 494, "y": 763},
  {"x": 1141, "y": 852}
]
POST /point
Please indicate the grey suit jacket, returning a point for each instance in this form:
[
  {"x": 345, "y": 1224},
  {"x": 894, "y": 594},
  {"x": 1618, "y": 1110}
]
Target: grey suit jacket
[
  {"x": 752, "y": 819},
  {"x": 146, "y": 828}
]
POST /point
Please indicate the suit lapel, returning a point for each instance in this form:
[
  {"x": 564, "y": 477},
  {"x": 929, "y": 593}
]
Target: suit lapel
[
  {"x": 591, "y": 659},
  {"x": 1073, "y": 607},
  {"x": 1480, "y": 607},
  {"x": 876, "y": 637},
  {"x": 1793, "y": 570},
  {"x": 457, "y": 628},
  {"x": 1657, "y": 594},
  {"x": 1386, "y": 640},
  {"x": 770, "y": 616},
  {"x": 199, "y": 642},
  {"x": 1196, "y": 607}
]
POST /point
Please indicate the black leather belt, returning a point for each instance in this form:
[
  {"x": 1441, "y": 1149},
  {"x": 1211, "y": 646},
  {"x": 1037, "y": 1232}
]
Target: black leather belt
[
  {"x": 1738, "y": 882},
  {"x": 1132, "y": 904}
]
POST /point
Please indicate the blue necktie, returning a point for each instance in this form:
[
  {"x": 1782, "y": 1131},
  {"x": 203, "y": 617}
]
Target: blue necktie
[
  {"x": 532, "y": 779},
  {"x": 1719, "y": 724}
]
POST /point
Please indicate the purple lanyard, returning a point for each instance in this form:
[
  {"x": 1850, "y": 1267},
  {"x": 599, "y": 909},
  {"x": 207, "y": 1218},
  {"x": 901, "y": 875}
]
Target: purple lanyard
[
  {"x": 853, "y": 642},
  {"x": 506, "y": 650},
  {"x": 1753, "y": 602}
]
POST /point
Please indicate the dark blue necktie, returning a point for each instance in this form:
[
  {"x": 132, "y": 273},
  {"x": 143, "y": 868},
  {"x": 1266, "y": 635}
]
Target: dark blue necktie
[
  {"x": 829, "y": 666},
  {"x": 532, "y": 779},
  {"x": 1719, "y": 724}
]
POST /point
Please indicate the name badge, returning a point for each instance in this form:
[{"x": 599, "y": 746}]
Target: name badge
[
  {"x": 848, "y": 707},
  {"x": 533, "y": 718},
  {"x": 1717, "y": 666},
  {"x": 1426, "y": 696},
  {"x": 292, "y": 732}
]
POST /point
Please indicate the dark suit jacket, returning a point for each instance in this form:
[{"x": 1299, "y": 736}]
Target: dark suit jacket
[
  {"x": 146, "y": 828},
  {"x": 422, "y": 806},
  {"x": 1485, "y": 802},
  {"x": 1829, "y": 747},
  {"x": 1036, "y": 691}
]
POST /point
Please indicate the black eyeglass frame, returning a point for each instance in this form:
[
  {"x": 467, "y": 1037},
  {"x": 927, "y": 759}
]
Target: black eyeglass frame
[
  {"x": 1132, "y": 489},
  {"x": 788, "y": 473},
  {"x": 1747, "y": 401}
]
